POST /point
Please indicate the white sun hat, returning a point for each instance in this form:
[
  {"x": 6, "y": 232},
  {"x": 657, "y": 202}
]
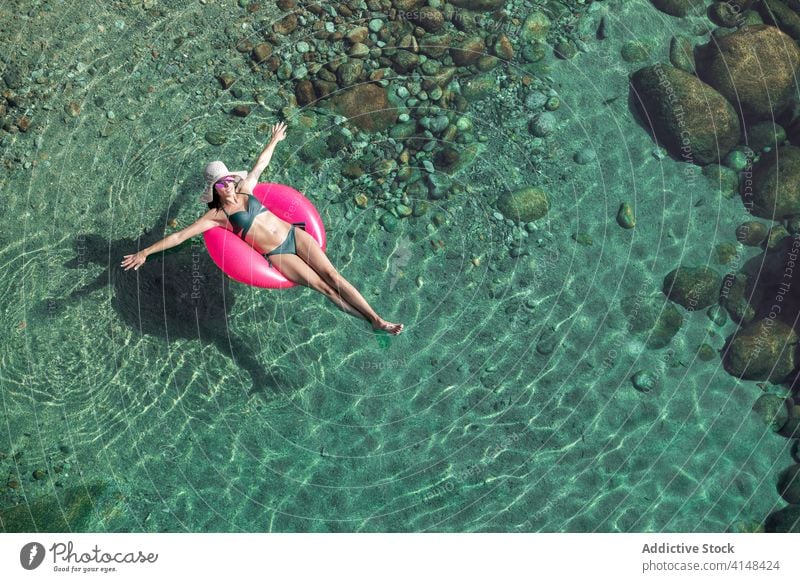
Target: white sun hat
[{"x": 213, "y": 172}]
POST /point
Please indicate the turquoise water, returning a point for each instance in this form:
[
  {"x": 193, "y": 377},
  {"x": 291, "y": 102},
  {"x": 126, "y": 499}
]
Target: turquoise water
[{"x": 505, "y": 405}]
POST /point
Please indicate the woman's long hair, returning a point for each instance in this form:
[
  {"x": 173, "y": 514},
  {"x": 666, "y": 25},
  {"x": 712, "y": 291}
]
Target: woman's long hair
[{"x": 216, "y": 203}]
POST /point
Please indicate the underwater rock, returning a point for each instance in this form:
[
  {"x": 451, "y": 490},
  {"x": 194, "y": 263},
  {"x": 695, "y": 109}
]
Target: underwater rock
[
  {"x": 789, "y": 484},
  {"x": 367, "y": 106},
  {"x": 771, "y": 409},
  {"x": 735, "y": 297},
  {"x": 503, "y": 47},
  {"x": 764, "y": 134},
  {"x": 739, "y": 158},
  {"x": 644, "y": 381},
  {"x": 479, "y": 87},
  {"x": 565, "y": 49},
  {"x": 692, "y": 120},
  {"x": 431, "y": 19},
  {"x": 775, "y": 184},
  {"x": 692, "y": 287},
  {"x": 261, "y": 52},
  {"x": 676, "y": 7},
  {"x": 543, "y": 124},
  {"x": 625, "y": 216},
  {"x": 724, "y": 14},
  {"x": 725, "y": 252},
  {"x": 653, "y": 317},
  {"x": 752, "y": 233},
  {"x": 775, "y": 237},
  {"x": 585, "y": 156},
  {"x": 215, "y": 137},
  {"x": 705, "y": 353},
  {"x": 777, "y": 13},
  {"x": 681, "y": 53},
  {"x": 535, "y": 27},
  {"x": 479, "y": 5},
  {"x": 304, "y": 92},
  {"x": 786, "y": 520},
  {"x": 634, "y": 51},
  {"x": 468, "y": 51},
  {"x": 286, "y": 25},
  {"x": 435, "y": 46},
  {"x": 761, "y": 350},
  {"x": 754, "y": 68},
  {"x": 524, "y": 205}
]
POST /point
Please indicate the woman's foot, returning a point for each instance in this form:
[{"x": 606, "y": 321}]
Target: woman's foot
[{"x": 392, "y": 328}]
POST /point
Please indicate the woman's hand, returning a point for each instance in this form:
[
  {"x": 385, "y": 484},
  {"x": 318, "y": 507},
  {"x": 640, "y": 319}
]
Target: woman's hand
[
  {"x": 278, "y": 132},
  {"x": 134, "y": 261}
]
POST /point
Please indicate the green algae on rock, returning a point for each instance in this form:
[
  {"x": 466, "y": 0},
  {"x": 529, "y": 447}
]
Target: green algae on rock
[
  {"x": 693, "y": 121},
  {"x": 692, "y": 287},
  {"x": 524, "y": 205}
]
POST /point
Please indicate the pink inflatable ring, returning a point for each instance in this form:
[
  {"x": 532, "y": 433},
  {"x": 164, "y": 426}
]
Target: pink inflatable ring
[{"x": 240, "y": 261}]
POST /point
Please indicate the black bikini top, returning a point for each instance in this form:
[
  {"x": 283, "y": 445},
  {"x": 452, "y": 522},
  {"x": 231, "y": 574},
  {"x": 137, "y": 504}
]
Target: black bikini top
[{"x": 243, "y": 220}]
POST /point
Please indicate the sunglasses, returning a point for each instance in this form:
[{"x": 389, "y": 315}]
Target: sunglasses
[{"x": 221, "y": 184}]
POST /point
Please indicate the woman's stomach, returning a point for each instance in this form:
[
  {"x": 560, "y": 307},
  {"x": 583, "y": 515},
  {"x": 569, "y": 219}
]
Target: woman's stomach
[{"x": 267, "y": 232}]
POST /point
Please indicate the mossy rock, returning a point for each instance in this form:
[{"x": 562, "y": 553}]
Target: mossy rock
[
  {"x": 692, "y": 287},
  {"x": 525, "y": 205}
]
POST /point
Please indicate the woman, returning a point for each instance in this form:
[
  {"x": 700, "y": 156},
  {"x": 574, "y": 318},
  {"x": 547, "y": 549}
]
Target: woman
[{"x": 299, "y": 257}]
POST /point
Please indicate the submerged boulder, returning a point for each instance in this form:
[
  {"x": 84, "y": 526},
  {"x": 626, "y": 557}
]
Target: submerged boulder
[
  {"x": 691, "y": 119},
  {"x": 761, "y": 350},
  {"x": 775, "y": 189},
  {"x": 753, "y": 67}
]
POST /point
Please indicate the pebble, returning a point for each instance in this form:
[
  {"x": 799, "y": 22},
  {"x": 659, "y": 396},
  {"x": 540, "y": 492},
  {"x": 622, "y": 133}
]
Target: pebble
[
  {"x": 643, "y": 381},
  {"x": 585, "y": 156},
  {"x": 215, "y": 137},
  {"x": 375, "y": 25},
  {"x": 543, "y": 124},
  {"x": 625, "y": 216},
  {"x": 737, "y": 158},
  {"x": 535, "y": 100}
]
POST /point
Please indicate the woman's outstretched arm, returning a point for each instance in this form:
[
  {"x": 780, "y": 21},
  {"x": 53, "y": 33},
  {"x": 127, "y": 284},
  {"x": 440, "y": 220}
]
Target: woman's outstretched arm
[{"x": 200, "y": 226}]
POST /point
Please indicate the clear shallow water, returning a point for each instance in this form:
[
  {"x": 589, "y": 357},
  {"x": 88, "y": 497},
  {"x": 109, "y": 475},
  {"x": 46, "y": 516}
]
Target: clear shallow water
[{"x": 506, "y": 404}]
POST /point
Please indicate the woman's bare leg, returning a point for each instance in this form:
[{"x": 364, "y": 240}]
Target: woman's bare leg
[
  {"x": 350, "y": 294},
  {"x": 311, "y": 253}
]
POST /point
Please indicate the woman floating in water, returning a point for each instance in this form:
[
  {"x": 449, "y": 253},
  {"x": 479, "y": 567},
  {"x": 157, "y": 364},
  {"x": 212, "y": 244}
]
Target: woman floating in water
[{"x": 299, "y": 257}]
